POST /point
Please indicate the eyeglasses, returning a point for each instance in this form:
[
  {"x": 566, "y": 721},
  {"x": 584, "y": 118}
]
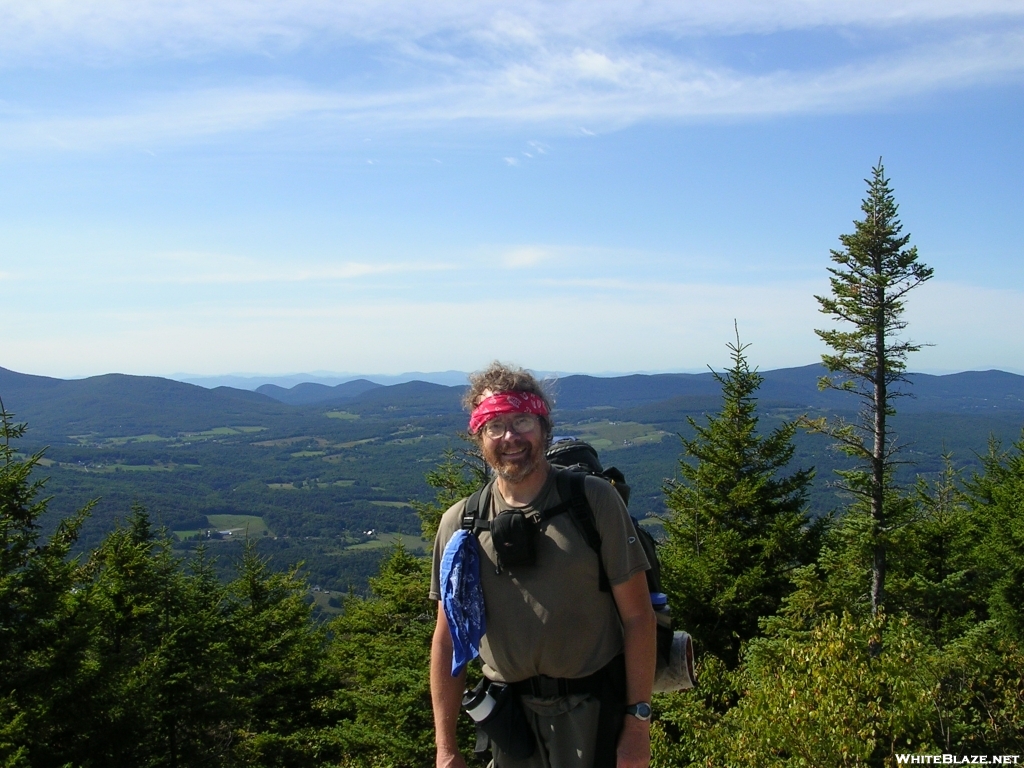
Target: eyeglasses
[{"x": 522, "y": 424}]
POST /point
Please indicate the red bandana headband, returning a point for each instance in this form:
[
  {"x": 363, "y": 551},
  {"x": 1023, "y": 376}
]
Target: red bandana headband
[{"x": 505, "y": 402}]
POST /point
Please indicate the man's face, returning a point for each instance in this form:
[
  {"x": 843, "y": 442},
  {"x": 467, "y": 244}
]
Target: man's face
[{"x": 516, "y": 453}]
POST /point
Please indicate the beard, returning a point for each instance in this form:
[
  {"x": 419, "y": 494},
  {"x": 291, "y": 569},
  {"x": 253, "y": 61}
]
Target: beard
[{"x": 513, "y": 470}]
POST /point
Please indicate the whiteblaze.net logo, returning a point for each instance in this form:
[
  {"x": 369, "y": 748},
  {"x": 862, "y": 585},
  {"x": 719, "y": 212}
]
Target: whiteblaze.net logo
[{"x": 957, "y": 759}]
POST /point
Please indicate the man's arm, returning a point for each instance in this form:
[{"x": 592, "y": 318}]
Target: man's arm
[
  {"x": 445, "y": 694},
  {"x": 638, "y": 627}
]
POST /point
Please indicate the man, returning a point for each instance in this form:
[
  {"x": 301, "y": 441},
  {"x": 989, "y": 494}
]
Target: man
[{"x": 549, "y": 623}]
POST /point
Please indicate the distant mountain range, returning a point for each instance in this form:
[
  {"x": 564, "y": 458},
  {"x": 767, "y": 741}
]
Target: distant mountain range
[
  {"x": 969, "y": 392},
  {"x": 327, "y": 378},
  {"x": 117, "y": 404},
  {"x": 973, "y": 391},
  {"x": 311, "y": 392}
]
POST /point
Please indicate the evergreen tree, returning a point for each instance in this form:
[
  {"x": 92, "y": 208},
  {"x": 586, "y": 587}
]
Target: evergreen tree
[
  {"x": 737, "y": 525},
  {"x": 380, "y": 661},
  {"x": 158, "y": 689},
  {"x": 874, "y": 272},
  {"x": 42, "y": 642},
  {"x": 935, "y": 576},
  {"x": 997, "y": 499},
  {"x": 278, "y": 677},
  {"x": 380, "y": 655}
]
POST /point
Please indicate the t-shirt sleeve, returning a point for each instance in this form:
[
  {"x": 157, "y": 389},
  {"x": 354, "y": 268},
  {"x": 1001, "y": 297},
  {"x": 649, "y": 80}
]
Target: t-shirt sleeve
[
  {"x": 451, "y": 521},
  {"x": 621, "y": 551}
]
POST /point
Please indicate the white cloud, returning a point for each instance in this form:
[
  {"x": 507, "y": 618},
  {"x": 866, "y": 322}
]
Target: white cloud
[
  {"x": 111, "y": 30},
  {"x": 548, "y": 88},
  {"x": 511, "y": 160},
  {"x": 379, "y": 336},
  {"x": 591, "y": 65},
  {"x": 520, "y": 258},
  {"x": 185, "y": 116},
  {"x": 217, "y": 269}
]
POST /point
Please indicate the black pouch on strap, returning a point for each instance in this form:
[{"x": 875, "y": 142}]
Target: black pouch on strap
[
  {"x": 515, "y": 538},
  {"x": 498, "y": 713}
]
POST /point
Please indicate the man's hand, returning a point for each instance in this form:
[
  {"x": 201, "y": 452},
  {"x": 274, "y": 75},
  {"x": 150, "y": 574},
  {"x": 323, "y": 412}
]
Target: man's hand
[
  {"x": 634, "y": 750},
  {"x": 450, "y": 760}
]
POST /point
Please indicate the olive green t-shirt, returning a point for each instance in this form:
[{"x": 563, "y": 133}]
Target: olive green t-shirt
[{"x": 551, "y": 618}]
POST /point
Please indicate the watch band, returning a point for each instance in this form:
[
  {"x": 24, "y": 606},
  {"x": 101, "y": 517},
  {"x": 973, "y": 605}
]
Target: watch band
[{"x": 641, "y": 710}]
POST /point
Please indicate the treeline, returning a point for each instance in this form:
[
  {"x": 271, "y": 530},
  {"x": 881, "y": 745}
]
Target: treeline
[
  {"x": 797, "y": 666},
  {"x": 893, "y": 629},
  {"x": 126, "y": 658}
]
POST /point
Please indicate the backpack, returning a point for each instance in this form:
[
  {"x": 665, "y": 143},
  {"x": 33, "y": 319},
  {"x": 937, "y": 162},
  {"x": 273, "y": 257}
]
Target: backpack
[
  {"x": 575, "y": 459},
  {"x": 580, "y": 458}
]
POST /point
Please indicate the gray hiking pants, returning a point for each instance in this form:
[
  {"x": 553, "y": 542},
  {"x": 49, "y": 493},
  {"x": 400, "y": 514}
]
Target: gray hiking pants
[{"x": 565, "y": 729}]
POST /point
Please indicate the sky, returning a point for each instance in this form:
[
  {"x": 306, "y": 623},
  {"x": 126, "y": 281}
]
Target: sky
[{"x": 248, "y": 186}]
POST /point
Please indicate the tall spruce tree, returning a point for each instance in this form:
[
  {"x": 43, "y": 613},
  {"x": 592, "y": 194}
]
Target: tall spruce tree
[
  {"x": 874, "y": 272},
  {"x": 737, "y": 526},
  {"x": 41, "y": 638}
]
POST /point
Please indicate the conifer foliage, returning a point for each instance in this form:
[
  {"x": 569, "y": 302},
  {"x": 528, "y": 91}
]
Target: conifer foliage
[
  {"x": 40, "y": 640},
  {"x": 736, "y": 525},
  {"x": 816, "y": 686},
  {"x": 875, "y": 271},
  {"x": 130, "y": 659}
]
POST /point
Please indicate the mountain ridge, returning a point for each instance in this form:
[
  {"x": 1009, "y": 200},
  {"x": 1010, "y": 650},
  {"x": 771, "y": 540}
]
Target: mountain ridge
[{"x": 125, "y": 404}]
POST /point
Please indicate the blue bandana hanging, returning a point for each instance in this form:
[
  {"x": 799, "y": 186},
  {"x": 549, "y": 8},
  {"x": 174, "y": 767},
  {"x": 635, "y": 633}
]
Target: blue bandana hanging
[{"x": 462, "y": 597}]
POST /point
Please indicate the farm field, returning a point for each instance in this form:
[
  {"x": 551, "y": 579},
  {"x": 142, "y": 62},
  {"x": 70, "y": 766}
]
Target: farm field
[
  {"x": 607, "y": 435},
  {"x": 388, "y": 540}
]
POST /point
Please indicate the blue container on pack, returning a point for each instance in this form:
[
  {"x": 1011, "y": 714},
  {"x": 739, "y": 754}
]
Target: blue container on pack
[{"x": 674, "y": 670}]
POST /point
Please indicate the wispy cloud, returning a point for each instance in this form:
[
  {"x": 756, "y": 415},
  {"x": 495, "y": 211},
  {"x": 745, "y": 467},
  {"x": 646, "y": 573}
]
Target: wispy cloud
[
  {"x": 190, "y": 268},
  {"x": 520, "y": 258},
  {"x": 186, "y": 116},
  {"x": 683, "y": 324},
  {"x": 554, "y": 65},
  {"x": 110, "y": 30},
  {"x": 549, "y": 91}
]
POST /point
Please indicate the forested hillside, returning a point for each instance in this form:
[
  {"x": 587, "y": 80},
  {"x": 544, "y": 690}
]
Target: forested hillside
[
  {"x": 310, "y": 480},
  {"x": 126, "y": 656}
]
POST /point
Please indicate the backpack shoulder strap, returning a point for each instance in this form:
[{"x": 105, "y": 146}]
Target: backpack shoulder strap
[
  {"x": 480, "y": 499},
  {"x": 571, "y": 487}
]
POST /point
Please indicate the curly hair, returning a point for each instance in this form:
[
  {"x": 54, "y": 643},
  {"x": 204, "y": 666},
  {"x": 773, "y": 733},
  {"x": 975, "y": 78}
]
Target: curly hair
[{"x": 499, "y": 377}]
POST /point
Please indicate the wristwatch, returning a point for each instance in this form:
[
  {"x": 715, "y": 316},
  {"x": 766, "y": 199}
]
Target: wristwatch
[{"x": 640, "y": 710}]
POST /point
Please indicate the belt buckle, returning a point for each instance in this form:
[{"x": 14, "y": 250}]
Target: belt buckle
[{"x": 544, "y": 687}]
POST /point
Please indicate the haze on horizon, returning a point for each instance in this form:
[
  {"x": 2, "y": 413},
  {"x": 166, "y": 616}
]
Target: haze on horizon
[{"x": 209, "y": 187}]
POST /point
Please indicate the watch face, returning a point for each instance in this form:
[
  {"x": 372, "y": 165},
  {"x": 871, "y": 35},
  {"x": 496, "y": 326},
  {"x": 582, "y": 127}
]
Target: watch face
[{"x": 641, "y": 711}]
